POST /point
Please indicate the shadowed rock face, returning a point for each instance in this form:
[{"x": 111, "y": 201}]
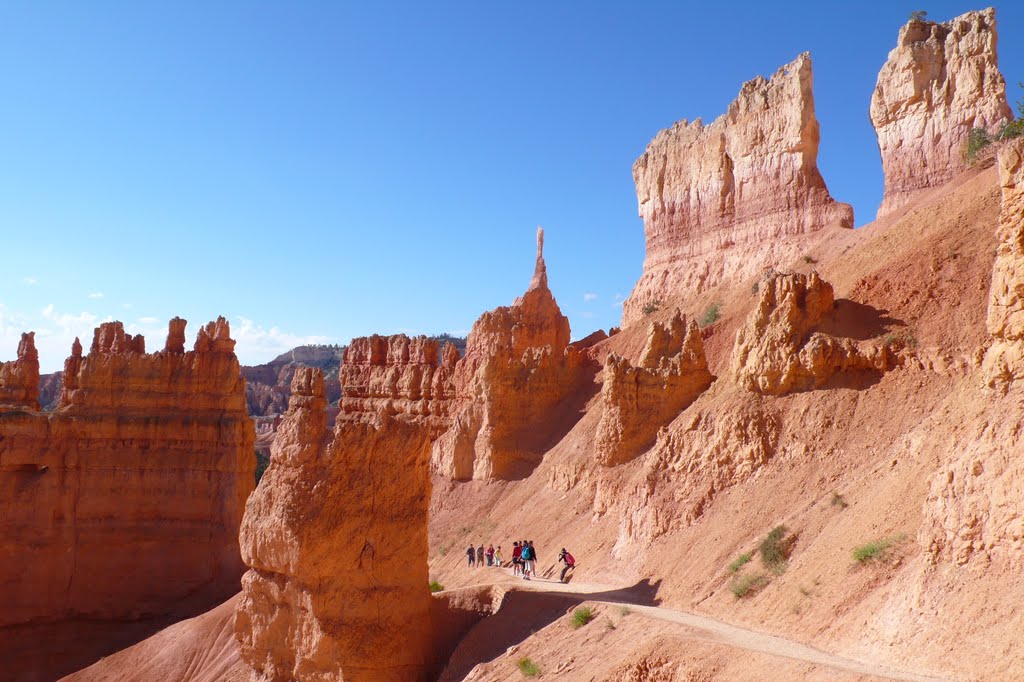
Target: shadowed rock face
[
  {"x": 638, "y": 401},
  {"x": 410, "y": 379},
  {"x": 518, "y": 369},
  {"x": 940, "y": 81},
  {"x": 126, "y": 500},
  {"x": 1004, "y": 360},
  {"x": 775, "y": 351},
  {"x": 726, "y": 200},
  {"x": 336, "y": 541}
]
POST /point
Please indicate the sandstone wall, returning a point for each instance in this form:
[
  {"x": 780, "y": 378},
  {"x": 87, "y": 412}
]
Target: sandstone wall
[
  {"x": 336, "y": 541},
  {"x": 728, "y": 199},
  {"x": 513, "y": 388},
  {"x": 940, "y": 81},
  {"x": 637, "y": 401},
  {"x": 776, "y": 352},
  {"x": 126, "y": 500},
  {"x": 1004, "y": 360},
  {"x": 19, "y": 379},
  {"x": 410, "y": 379}
]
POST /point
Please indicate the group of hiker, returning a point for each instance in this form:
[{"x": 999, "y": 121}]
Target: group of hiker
[{"x": 524, "y": 559}]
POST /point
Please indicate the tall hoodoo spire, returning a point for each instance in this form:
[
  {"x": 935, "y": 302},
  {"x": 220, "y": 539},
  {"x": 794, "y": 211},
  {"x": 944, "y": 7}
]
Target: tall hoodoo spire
[{"x": 540, "y": 271}]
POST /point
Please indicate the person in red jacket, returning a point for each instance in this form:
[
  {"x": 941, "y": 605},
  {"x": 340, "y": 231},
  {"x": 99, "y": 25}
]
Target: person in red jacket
[
  {"x": 568, "y": 560},
  {"x": 517, "y": 561}
]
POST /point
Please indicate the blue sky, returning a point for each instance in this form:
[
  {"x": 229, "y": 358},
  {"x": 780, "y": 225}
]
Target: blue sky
[{"x": 318, "y": 171}]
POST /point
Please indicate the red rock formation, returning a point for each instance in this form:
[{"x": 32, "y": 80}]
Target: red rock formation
[
  {"x": 336, "y": 540},
  {"x": 1004, "y": 360},
  {"x": 637, "y": 401},
  {"x": 410, "y": 379},
  {"x": 127, "y": 499},
  {"x": 517, "y": 374},
  {"x": 773, "y": 354},
  {"x": 725, "y": 200},
  {"x": 941, "y": 81},
  {"x": 19, "y": 379}
]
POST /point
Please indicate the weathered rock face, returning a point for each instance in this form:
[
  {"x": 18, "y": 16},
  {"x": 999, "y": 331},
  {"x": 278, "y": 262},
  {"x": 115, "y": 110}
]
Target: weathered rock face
[
  {"x": 725, "y": 200},
  {"x": 336, "y": 541},
  {"x": 637, "y": 401},
  {"x": 127, "y": 499},
  {"x": 267, "y": 386},
  {"x": 510, "y": 388},
  {"x": 410, "y": 379},
  {"x": 1004, "y": 360},
  {"x": 939, "y": 82},
  {"x": 773, "y": 354},
  {"x": 19, "y": 379}
]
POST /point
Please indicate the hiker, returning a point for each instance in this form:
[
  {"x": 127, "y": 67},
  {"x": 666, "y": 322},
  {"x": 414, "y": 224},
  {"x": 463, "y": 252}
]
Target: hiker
[
  {"x": 490, "y": 555},
  {"x": 498, "y": 559},
  {"x": 480, "y": 556},
  {"x": 527, "y": 556},
  {"x": 517, "y": 558},
  {"x": 570, "y": 563},
  {"x": 471, "y": 555}
]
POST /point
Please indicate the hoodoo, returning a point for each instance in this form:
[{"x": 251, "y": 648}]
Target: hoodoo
[
  {"x": 410, "y": 379},
  {"x": 728, "y": 199},
  {"x": 637, "y": 401},
  {"x": 336, "y": 541},
  {"x": 518, "y": 371},
  {"x": 940, "y": 82},
  {"x": 125, "y": 501}
]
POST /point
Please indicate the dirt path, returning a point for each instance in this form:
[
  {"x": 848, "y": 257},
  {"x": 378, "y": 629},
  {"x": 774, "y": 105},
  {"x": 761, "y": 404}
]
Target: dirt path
[{"x": 710, "y": 630}]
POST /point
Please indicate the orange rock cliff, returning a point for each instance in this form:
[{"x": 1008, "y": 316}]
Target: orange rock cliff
[
  {"x": 940, "y": 81},
  {"x": 126, "y": 500},
  {"x": 726, "y": 200},
  {"x": 515, "y": 387},
  {"x": 336, "y": 540}
]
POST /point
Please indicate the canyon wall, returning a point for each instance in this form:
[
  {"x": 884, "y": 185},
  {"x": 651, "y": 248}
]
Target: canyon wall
[
  {"x": 637, "y": 401},
  {"x": 19, "y": 379},
  {"x": 1004, "y": 360},
  {"x": 726, "y": 200},
  {"x": 939, "y": 82},
  {"x": 514, "y": 387},
  {"x": 126, "y": 500},
  {"x": 336, "y": 541},
  {"x": 410, "y": 379}
]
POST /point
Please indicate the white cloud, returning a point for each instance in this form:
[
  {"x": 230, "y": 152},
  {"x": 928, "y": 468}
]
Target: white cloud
[
  {"x": 588, "y": 297},
  {"x": 587, "y": 315},
  {"x": 257, "y": 344},
  {"x": 127, "y": 306},
  {"x": 29, "y": 280},
  {"x": 148, "y": 320},
  {"x": 618, "y": 301},
  {"x": 96, "y": 294}
]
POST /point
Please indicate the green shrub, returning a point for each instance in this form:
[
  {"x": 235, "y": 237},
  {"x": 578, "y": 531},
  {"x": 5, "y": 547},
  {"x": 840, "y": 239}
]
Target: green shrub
[
  {"x": 839, "y": 501},
  {"x": 581, "y": 616},
  {"x": 775, "y": 549},
  {"x": 747, "y": 585},
  {"x": 977, "y": 140},
  {"x": 711, "y": 315},
  {"x": 609, "y": 625},
  {"x": 262, "y": 462},
  {"x": 527, "y": 667},
  {"x": 918, "y": 15},
  {"x": 875, "y": 550},
  {"x": 652, "y": 306},
  {"x": 625, "y": 611},
  {"x": 809, "y": 260},
  {"x": 735, "y": 566},
  {"x": 436, "y": 586}
]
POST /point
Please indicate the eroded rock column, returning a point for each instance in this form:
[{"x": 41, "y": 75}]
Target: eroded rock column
[{"x": 336, "y": 540}]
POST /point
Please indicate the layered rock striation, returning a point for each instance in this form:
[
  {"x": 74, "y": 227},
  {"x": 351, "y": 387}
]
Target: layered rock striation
[
  {"x": 126, "y": 500},
  {"x": 410, "y": 379},
  {"x": 776, "y": 352},
  {"x": 513, "y": 387},
  {"x": 940, "y": 81},
  {"x": 637, "y": 401},
  {"x": 726, "y": 200},
  {"x": 1004, "y": 359},
  {"x": 336, "y": 541}
]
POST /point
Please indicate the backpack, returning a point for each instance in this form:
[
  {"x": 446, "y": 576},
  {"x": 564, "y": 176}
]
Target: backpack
[
  {"x": 527, "y": 554},
  {"x": 569, "y": 560}
]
